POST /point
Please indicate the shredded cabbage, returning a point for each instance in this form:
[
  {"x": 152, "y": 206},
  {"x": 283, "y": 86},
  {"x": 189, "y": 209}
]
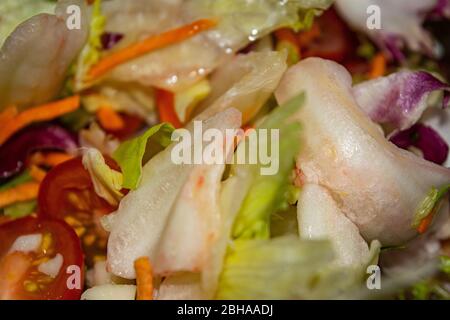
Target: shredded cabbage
[
  {"x": 269, "y": 192},
  {"x": 267, "y": 269},
  {"x": 290, "y": 268}
]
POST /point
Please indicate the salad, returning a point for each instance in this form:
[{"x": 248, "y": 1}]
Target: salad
[{"x": 227, "y": 149}]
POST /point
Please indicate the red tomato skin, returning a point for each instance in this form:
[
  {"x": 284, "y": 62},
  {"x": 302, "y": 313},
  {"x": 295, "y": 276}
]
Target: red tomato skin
[
  {"x": 132, "y": 125},
  {"x": 67, "y": 244},
  {"x": 335, "y": 41},
  {"x": 67, "y": 175}
]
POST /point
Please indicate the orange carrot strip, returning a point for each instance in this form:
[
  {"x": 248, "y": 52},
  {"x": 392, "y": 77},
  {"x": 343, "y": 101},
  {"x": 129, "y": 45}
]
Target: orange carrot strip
[
  {"x": 24, "y": 192},
  {"x": 8, "y": 114},
  {"x": 42, "y": 113},
  {"x": 377, "y": 66},
  {"x": 166, "y": 108},
  {"x": 426, "y": 222},
  {"x": 109, "y": 119},
  {"x": 152, "y": 43},
  {"x": 144, "y": 279},
  {"x": 37, "y": 173},
  {"x": 52, "y": 159},
  {"x": 49, "y": 159}
]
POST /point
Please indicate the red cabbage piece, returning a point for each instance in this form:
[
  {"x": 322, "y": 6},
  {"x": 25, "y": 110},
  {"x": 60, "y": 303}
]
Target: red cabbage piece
[
  {"x": 394, "y": 45},
  {"x": 399, "y": 99},
  {"x": 433, "y": 146},
  {"x": 14, "y": 153},
  {"x": 441, "y": 10},
  {"x": 110, "y": 39},
  {"x": 401, "y": 24}
]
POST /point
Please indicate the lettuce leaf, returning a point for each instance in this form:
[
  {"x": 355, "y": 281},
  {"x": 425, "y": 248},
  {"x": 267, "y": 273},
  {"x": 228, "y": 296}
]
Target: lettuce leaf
[
  {"x": 289, "y": 268},
  {"x": 445, "y": 264},
  {"x": 91, "y": 52},
  {"x": 130, "y": 154},
  {"x": 249, "y": 20},
  {"x": 107, "y": 182},
  {"x": 22, "y": 178},
  {"x": 434, "y": 287},
  {"x": 280, "y": 268},
  {"x": 14, "y": 12},
  {"x": 269, "y": 193},
  {"x": 21, "y": 209}
]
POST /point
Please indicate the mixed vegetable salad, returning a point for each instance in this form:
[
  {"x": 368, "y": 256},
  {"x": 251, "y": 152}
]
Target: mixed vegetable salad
[{"x": 92, "y": 205}]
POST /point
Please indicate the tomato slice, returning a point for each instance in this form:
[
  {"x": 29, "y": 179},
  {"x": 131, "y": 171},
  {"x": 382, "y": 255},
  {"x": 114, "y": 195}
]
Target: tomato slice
[
  {"x": 67, "y": 193},
  {"x": 333, "y": 41},
  {"x": 21, "y": 275}
]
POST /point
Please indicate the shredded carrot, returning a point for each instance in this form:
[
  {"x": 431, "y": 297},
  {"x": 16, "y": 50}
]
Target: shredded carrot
[
  {"x": 166, "y": 107},
  {"x": 426, "y": 222},
  {"x": 37, "y": 173},
  {"x": 152, "y": 43},
  {"x": 109, "y": 119},
  {"x": 23, "y": 192},
  {"x": 42, "y": 113},
  {"x": 144, "y": 279},
  {"x": 8, "y": 114},
  {"x": 306, "y": 37},
  {"x": 49, "y": 159},
  {"x": 377, "y": 66}
]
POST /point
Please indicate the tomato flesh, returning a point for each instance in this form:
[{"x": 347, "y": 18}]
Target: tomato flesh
[
  {"x": 67, "y": 193},
  {"x": 334, "y": 40},
  {"x": 20, "y": 278}
]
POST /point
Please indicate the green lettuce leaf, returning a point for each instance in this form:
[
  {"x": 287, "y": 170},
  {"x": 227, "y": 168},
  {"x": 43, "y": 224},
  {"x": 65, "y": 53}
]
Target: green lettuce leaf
[
  {"x": 92, "y": 51},
  {"x": 107, "y": 182},
  {"x": 130, "y": 154},
  {"x": 14, "y": 12},
  {"x": 289, "y": 268},
  {"x": 445, "y": 264},
  {"x": 18, "y": 180},
  {"x": 21, "y": 209},
  {"x": 279, "y": 268},
  {"x": 244, "y": 20},
  {"x": 269, "y": 193}
]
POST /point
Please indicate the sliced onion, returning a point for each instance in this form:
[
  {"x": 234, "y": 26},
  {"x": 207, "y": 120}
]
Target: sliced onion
[{"x": 426, "y": 139}]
